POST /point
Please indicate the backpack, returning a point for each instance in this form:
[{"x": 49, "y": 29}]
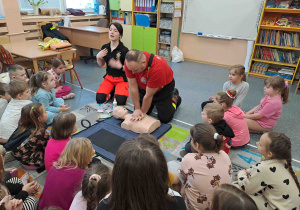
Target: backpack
[{"x": 50, "y": 31}]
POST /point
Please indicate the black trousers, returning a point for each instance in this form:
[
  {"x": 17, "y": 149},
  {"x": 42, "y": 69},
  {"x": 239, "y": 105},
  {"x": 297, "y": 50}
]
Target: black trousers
[{"x": 162, "y": 100}]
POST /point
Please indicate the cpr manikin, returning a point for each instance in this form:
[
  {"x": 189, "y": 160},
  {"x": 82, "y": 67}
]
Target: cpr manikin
[{"x": 146, "y": 125}]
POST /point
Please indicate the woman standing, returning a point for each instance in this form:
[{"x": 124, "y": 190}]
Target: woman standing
[{"x": 113, "y": 55}]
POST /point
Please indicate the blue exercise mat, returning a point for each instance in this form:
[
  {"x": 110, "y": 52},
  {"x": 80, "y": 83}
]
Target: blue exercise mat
[{"x": 107, "y": 136}]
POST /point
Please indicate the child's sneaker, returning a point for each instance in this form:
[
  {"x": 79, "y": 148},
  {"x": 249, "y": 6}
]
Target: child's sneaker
[{"x": 69, "y": 96}]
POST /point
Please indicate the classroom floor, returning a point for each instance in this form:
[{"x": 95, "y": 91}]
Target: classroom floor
[{"x": 196, "y": 82}]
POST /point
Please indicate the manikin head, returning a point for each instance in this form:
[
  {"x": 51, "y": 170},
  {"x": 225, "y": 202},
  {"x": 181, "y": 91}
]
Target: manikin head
[{"x": 119, "y": 112}]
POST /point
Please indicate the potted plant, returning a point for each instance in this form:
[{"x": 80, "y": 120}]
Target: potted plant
[{"x": 35, "y": 5}]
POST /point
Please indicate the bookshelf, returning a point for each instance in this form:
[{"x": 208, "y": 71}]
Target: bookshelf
[
  {"x": 277, "y": 45},
  {"x": 167, "y": 29}
]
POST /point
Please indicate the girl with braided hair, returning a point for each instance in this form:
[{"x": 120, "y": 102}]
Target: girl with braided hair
[
  {"x": 272, "y": 183},
  {"x": 96, "y": 184}
]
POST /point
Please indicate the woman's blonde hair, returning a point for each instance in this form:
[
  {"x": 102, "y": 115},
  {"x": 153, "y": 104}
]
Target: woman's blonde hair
[{"x": 78, "y": 152}]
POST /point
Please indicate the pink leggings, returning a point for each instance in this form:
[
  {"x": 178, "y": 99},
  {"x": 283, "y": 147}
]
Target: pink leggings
[{"x": 63, "y": 92}]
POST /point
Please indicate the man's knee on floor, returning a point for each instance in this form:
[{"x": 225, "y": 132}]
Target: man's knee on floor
[
  {"x": 165, "y": 118},
  {"x": 101, "y": 98},
  {"x": 121, "y": 100}
]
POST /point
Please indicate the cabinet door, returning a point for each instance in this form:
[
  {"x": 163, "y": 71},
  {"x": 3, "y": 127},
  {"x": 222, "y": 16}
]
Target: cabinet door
[
  {"x": 127, "y": 36},
  {"x": 138, "y": 38},
  {"x": 150, "y": 38},
  {"x": 114, "y": 5},
  {"x": 126, "y": 5}
]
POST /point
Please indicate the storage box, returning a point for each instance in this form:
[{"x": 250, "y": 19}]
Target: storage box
[{"x": 145, "y": 20}]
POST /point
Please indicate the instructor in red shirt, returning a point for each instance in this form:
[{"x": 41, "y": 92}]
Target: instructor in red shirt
[{"x": 151, "y": 83}]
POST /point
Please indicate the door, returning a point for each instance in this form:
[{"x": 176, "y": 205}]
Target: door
[
  {"x": 138, "y": 38},
  {"x": 127, "y": 36},
  {"x": 126, "y": 5},
  {"x": 114, "y": 5},
  {"x": 150, "y": 38}
]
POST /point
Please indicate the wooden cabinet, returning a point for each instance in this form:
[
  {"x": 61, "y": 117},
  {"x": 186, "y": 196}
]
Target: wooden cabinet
[
  {"x": 144, "y": 39},
  {"x": 127, "y": 36},
  {"x": 114, "y": 4},
  {"x": 126, "y": 5}
]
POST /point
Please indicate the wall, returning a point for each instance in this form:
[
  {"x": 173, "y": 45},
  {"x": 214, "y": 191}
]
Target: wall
[{"x": 214, "y": 51}]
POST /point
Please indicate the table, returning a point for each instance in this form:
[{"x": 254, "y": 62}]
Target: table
[
  {"x": 86, "y": 36},
  {"x": 29, "y": 49}
]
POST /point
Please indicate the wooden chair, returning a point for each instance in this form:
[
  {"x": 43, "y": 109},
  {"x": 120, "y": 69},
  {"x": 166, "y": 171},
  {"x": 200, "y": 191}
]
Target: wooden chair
[
  {"x": 70, "y": 56},
  {"x": 9, "y": 60},
  {"x": 3, "y": 40}
]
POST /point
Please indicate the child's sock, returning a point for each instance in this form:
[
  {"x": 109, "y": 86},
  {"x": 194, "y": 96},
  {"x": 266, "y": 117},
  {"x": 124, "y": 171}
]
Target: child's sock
[{"x": 69, "y": 96}]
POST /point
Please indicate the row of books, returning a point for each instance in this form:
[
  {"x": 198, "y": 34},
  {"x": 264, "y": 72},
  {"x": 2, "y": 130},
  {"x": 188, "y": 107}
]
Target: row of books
[
  {"x": 146, "y": 5},
  {"x": 282, "y": 20},
  {"x": 276, "y": 55},
  {"x": 259, "y": 68},
  {"x": 266, "y": 69},
  {"x": 287, "y": 4},
  {"x": 121, "y": 17},
  {"x": 279, "y": 38}
]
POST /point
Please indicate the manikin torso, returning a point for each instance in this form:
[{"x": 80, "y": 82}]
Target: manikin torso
[{"x": 146, "y": 125}]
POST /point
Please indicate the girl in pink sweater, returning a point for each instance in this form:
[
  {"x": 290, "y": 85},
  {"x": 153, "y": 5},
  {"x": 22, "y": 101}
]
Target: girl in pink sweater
[
  {"x": 234, "y": 117},
  {"x": 63, "y": 126}
]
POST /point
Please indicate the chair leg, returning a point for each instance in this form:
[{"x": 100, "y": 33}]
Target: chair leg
[
  {"x": 297, "y": 87},
  {"x": 78, "y": 78}
]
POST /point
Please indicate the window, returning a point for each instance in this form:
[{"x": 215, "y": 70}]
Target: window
[
  {"x": 85, "y": 5},
  {"x": 24, "y": 5}
]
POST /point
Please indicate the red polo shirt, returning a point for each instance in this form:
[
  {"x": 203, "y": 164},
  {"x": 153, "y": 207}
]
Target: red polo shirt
[{"x": 160, "y": 73}]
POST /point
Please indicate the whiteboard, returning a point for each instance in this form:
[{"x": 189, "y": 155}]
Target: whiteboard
[{"x": 222, "y": 18}]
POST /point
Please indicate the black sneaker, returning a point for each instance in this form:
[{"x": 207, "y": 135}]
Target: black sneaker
[
  {"x": 177, "y": 100},
  {"x": 176, "y": 92}
]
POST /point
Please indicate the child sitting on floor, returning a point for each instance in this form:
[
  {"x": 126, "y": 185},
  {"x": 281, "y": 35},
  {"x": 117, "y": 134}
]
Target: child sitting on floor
[
  {"x": 6, "y": 202},
  {"x": 17, "y": 72},
  {"x": 272, "y": 183},
  {"x": 237, "y": 81},
  {"x": 204, "y": 171},
  {"x": 96, "y": 184},
  {"x": 29, "y": 140},
  {"x": 4, "y": 98},
  {"x": 213, "y": 114},
  {"x": 42, "y": 87},
  {"x": 264, "y": 117},
  {"x": 229, "y": 197},
  {"x": 20, "y": 93},
  {"x": 65, "y": 177},
  {"x": 63, "y": 126},
  {"x": 234, "y": 117},
  {"x": 58, "y": 69}
]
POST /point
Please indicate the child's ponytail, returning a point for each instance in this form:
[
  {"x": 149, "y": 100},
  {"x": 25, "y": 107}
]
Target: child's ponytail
[
  {"x": 285, "y": 93},
  {"x": 226, "y": 97},
  {"x": 37, "y": 80},
  {"x": 207, "y": 136},
  {"x": 281, "y": 146},
  {"x": 278, "y": 83},
  {"x": 96, "y": 184}
]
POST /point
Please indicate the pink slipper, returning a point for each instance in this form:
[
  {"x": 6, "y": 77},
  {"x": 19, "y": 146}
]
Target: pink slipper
[{"x": 69, "y": 96}]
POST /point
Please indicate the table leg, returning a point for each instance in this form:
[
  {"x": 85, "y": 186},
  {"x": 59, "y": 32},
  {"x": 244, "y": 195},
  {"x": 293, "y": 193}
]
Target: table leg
[{"x": 35, "y": 66}]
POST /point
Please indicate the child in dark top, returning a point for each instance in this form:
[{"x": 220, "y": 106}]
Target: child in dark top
[
  {"x": 18, "y": 190},
  {"x": 113, "y": 55},
  {"x": 140, "y": 179},
  {"x": 213, "y": 114},
  {"x": 29, "y": 140}
]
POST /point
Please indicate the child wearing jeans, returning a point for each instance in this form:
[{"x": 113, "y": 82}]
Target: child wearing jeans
[
  {"x": 264, "y": 117},
  {"x": 4, "y": 98},
  {"x": 234, "y": 117},
  {"x": 58, "y": 69},
  {"x": 42, "y": 88},
  {"x": 20, "y": 93}
]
